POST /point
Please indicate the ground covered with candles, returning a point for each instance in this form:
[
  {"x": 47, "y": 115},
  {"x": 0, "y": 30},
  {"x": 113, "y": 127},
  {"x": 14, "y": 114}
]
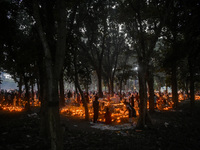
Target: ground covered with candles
[{"x": 172, "y": 129}]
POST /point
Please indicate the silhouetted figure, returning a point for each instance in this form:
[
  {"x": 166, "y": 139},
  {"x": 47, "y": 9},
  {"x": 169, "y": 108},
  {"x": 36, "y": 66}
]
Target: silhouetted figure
[
  {"x": 107, "y": 116},
  {"x": 132, "y": 100},
  {"x": 96, "y": 109},
  {"x": 78, "y": 98},
  {"x": 137, "y": 97},
  {"x": 87, "y": 97},
  {"x": 131, "y": 112}
]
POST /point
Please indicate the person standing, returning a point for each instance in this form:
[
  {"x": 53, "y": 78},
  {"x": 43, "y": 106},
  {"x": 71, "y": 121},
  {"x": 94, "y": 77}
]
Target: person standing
[
  {"x": 137, "y": 99},
  {"x": 107, "y": 116},
  {"x": 131, "y": 112},
  {"x": 96, "y": 109},
  {"x": 132, "y": 101}
]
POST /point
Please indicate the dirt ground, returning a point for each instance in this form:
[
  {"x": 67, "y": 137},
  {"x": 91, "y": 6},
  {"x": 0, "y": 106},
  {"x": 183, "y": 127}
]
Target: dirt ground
[{"x": 178, "y": 129}]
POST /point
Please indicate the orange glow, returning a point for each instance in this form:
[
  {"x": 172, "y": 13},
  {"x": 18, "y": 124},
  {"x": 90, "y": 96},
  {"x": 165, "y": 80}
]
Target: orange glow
[
  {"x": 12, "y": 108},
  {"x": 119, "y": 111}
]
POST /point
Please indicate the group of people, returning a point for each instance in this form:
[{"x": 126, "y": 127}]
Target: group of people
[
  {"x": 107, "y": 116},
  {"x": 77, "y": 96},
  {"x": 108, "y": 119},
  {"x": 161, "y": 100},
  {"x": 9, "y": 97},
  {"x": 15, "y": 98}
]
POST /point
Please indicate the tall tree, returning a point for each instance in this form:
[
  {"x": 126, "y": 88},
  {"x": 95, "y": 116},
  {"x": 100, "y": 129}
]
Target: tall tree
[
  {"x": 115, "y": 47},
  {"x": 124, "y": 69},
  {"x": 191, "y": 33},
  {"x": 53, "y": 59},
  {"x": 174, "y": 25},
  {"x": 95, "y": 33},
  {"x": 19, "y": 53},
  {"x": 144, "y": 24}
]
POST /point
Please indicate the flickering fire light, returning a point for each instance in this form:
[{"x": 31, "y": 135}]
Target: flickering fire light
[
  {"x": 17, "y": 106},
  {"x": 118, "y": 110},
  {"x": 197, "y": 97},
  {"x": 35, "y": 103},
  {"x": 12, "y": 108}
]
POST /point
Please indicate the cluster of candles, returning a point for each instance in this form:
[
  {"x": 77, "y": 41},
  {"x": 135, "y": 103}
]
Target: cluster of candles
[
  {"x": 11, "y": 108},
  {"x": 35, "y": 103},
  {"x": 119, "y": 112},
  {"x": 17, "y": 107},
  {"x": 197, "y": 97}
]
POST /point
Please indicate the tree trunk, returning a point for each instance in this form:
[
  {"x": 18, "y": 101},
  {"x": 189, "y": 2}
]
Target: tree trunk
[
  {"x": 38, "y": 88},
  {"x": 79, "y": 87},
  {"x": 84, "y": 103},
  {"x": 53, "y": 63},
  {"x": 143, "y": 113},
  {"x": 99, "y": 83},
  {"x": 27, "y": 95},
  {"x": 82, "y": 96},
  {"x": 112, "y": 87},
  {"x": 87, "y": 87},
  {"x": 76, "y": 88},
  {"x": 174, "y": 86},
  {"x": 62, "y": 95},
  {"x": 191, "y": 78},
  {"x": 120, "y": 89},
  {"x": 51, "y": 109},
  {"x": 44, "y": 128},
  {"x": 32, "y": 92},
  {"x": 20, "y": 89},
  {"x": 56, "y": 133},
  {"x": 151, "y": 91},
  {"x": 143, "y": 97},
  {"x": 187, "y": 88},
  {"x": 109, "y": 88}
]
